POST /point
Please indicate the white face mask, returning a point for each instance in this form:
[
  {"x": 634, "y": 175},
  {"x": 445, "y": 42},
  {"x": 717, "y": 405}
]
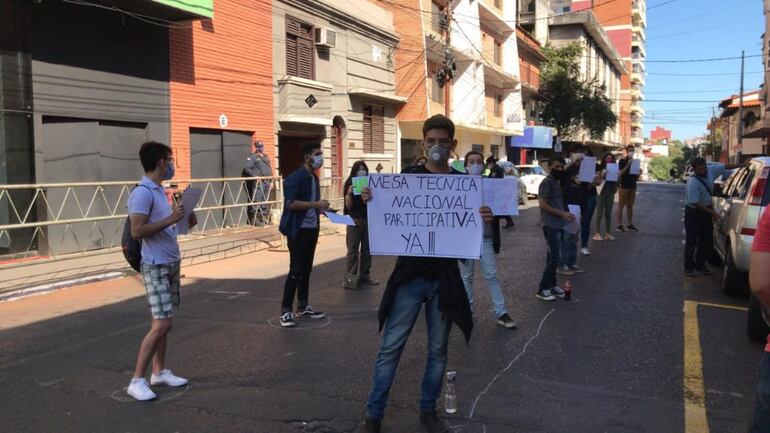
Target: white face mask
[
  {"x": 475, "y": 169},
  {"x": 318, "y": 161},
  {"x": 361, "y": 173}
]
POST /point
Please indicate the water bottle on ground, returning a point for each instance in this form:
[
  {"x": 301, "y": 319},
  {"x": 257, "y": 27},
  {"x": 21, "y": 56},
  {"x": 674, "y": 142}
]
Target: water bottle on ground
[{"x": 450, "y": 396}]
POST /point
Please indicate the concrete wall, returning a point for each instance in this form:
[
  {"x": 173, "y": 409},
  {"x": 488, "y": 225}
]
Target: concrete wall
[{"x": 92, "y": 64}]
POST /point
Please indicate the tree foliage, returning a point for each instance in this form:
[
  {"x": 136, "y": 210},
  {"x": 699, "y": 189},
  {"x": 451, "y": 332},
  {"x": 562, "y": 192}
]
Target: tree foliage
[
  {"x": 660, "y": 167},
  {"x": 574, "y": 103}
]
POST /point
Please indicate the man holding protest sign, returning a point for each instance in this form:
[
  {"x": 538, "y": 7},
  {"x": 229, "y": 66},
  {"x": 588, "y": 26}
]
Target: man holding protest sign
[
  {"x": 428, "y": 279},
  {"x": 488, "y": 262},
  {"x": 554, "y": 218}
]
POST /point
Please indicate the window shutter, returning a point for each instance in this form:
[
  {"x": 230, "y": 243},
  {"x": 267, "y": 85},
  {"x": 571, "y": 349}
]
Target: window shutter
[
  {"x": 299, "y": 49},
  {"x": 367, "y": 129},
  {"x": 378, "y": 130},
  {"x": 291, "y": 55},
  {"x": 305, "y": 58}
]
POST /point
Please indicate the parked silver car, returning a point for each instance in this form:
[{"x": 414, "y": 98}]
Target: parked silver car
[{"x": 739, "y": 204}]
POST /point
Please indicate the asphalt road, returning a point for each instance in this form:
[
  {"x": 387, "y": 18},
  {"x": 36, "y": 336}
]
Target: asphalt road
[{"x": 611, "y": 360}]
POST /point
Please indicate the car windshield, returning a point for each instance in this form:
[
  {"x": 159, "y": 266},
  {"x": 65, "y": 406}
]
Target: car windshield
[{"x": 531, "y": 170}]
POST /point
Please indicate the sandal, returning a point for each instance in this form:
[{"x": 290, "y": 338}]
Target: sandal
[
  {"x": 609, "y": 237},
  {"x": 598, "y": 237}
]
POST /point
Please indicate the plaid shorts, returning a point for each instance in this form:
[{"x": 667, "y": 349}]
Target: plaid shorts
[{"x": 162, "y": 285}]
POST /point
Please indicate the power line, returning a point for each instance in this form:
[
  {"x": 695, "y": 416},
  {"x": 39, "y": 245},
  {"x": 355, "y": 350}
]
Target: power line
[
  {"x": 661, "y": 4},
  {"x": 715, "y": 74}
]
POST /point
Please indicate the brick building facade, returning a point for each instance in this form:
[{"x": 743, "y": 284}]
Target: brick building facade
[{"x": 221, "y": 89}]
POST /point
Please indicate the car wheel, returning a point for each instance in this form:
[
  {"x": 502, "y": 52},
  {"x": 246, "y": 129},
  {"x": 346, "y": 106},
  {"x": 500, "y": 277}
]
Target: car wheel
[
  {"x": 734, "y": 282},
  {"x": 756, "y": 328}
]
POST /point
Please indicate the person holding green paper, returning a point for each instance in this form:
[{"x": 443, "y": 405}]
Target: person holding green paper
[{"x": 357, "y": 235}]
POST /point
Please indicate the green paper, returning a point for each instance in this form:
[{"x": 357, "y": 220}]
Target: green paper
[{"x": 359, "y": 183}]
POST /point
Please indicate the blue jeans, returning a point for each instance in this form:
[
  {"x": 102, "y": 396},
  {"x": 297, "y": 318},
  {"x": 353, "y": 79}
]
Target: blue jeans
[
  {"x": 489, "y": 269},
  {"x": 401, "y": 318},
  {"x": 553, "y": 239},
  {"x": 585, "y": 224},
  {"x": 761, "y": 419},
  {"x": 568, "y": 248}
]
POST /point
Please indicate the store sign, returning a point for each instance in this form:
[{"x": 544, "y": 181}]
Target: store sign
[{"x": 223, "y": 121}]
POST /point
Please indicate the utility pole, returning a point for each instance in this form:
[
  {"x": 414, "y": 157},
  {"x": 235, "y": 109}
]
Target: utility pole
[
  {"x": 447, "y": 66},
  {"x": 739, "y": 153},
  {"x": 714, "y": 156}
]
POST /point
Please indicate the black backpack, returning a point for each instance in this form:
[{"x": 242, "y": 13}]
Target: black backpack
[{"x": 132, "y": 248}]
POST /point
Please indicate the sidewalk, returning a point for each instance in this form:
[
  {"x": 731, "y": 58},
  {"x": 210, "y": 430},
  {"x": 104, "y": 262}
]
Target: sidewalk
[{"x": 22, "y": 278}]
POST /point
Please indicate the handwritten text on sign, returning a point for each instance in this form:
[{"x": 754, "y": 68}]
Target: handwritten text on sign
[{"x": 426, "y": 215}]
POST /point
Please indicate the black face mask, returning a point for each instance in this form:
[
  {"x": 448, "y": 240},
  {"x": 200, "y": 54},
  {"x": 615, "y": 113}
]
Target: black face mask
[{"x": 557, "y": 174}]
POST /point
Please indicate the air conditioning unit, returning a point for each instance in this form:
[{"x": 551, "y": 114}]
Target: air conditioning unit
[{"x": 325, "y": 38}]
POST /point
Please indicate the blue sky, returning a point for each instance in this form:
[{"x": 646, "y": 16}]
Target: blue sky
[{"x": 697, "y": 29}]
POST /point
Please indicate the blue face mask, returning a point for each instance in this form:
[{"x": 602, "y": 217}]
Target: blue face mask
[{"x": 169, "y": 172}]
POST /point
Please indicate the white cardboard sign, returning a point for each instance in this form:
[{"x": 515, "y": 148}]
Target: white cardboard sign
[
  {"x": 636, "y": 167},
  {"x": 574, "y": 226},
  {"x": 425, "y": 215},
  {"x": 587, "y": 169},
  {"x": 612, "y": 172},
  {"x": 501, "y": 195}
]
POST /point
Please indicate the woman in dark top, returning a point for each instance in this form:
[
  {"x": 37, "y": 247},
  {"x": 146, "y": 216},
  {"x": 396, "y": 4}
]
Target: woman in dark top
[
  {"x": 358, "y": 235},
  {"x": 605, "y": 202}
]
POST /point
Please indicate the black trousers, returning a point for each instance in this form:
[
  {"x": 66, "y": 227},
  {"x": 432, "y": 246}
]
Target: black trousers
[
  {"x": 251, "y": 211},
  {"x": 301, "y": 254},
  {"x": 699, "y": 241},
  {"x": 358, "y": 250}
]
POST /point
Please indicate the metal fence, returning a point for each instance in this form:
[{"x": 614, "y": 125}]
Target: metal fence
[{"x": 55, "y": 219}]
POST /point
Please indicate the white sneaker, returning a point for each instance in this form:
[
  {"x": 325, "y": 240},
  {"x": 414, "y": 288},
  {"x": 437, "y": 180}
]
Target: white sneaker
[
  {"x": 140, "y": 390},
  {"x": 167, "y": 378},
  {"x": 585, "y": 251}
]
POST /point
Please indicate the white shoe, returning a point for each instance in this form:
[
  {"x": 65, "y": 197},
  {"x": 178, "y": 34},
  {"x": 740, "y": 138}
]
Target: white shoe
[
  {"x": 166, "y": 377},
  {"x": 140, "y": 390},
  {"x": 585, "y": 251}
]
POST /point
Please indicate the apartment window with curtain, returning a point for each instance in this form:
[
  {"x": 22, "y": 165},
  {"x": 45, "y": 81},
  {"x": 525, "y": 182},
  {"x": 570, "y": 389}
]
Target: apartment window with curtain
[
  {"x": 436, "y": 91},
  {"x": 374, "y": 129},
  {"x": 498, "y": 53},
  {"x": 299, "y": 49},
  {"x": 495, "y": 149},
  {"x": 498, "y": 107}
]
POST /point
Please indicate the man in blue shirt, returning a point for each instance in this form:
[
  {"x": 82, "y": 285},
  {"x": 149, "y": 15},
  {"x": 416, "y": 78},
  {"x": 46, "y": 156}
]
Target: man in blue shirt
[
  {"x": 699, "y": 215},
  {"x": 300, "y": 225},
  {"x": 153, "y": 221}
]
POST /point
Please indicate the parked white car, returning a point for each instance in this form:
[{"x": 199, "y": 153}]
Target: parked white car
[
  {"x": 739, "y": 202},
  {"x": 532, "y": 175}
]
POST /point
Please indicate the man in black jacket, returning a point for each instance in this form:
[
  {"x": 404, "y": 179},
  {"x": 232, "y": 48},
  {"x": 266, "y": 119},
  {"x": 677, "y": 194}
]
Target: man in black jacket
[{"x": 435, "y": 282}]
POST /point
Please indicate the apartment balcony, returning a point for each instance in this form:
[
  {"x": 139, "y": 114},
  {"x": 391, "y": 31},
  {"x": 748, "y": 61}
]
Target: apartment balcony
[
  {"x": 637, "y": 121},
  {"x": 639, "y": 12},
  {"x": 498, "y": 77},
  {"x": 637, "y": 74},
  {"x": 637, "y": 140},
  {"x": 491, "y": 13},
  {"x": 636, "y": 108},
  {"x": 530, "y": 77},
  {"x": 636, "y": 92},
  {"x": 639, "y": 30}
]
